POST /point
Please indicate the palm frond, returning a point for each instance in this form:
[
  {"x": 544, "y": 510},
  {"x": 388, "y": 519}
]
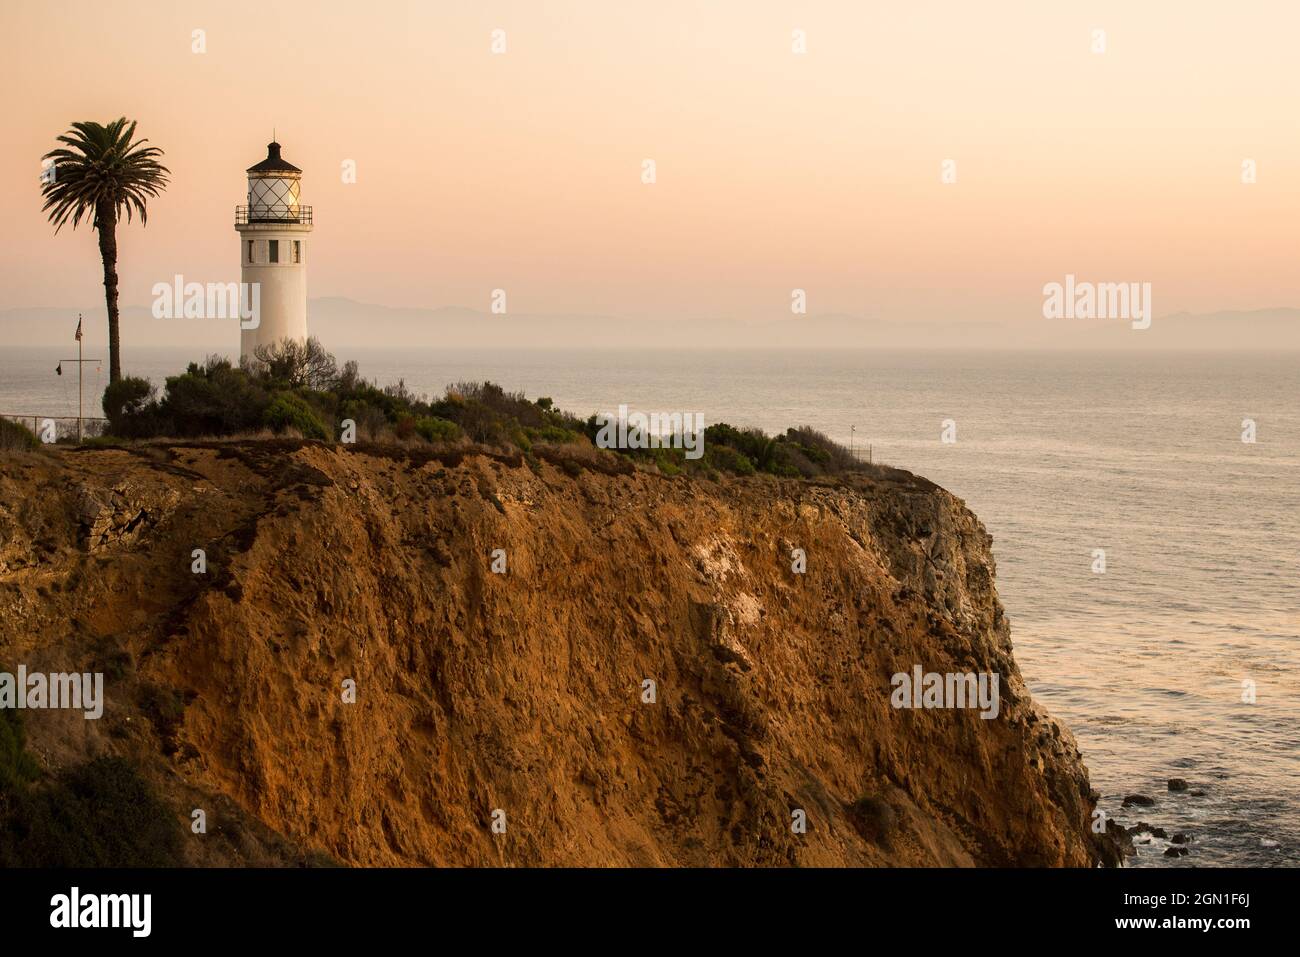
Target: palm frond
[{"x": 102, "y": 170}]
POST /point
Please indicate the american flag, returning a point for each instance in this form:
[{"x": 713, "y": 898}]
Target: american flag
[{"x": 78, "y": 337}]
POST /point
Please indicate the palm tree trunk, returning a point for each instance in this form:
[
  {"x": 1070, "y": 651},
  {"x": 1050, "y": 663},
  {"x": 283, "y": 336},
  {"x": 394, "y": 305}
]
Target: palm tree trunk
[{"x": 106, "y": 224}]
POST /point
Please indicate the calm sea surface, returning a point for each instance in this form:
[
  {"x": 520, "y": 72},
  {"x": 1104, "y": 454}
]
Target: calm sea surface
[{"x": 1059, "y": 455}]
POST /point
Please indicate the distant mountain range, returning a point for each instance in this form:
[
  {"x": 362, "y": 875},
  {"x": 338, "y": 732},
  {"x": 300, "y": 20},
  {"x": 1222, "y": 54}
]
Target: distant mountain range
[{"x": 344, "y": 323}]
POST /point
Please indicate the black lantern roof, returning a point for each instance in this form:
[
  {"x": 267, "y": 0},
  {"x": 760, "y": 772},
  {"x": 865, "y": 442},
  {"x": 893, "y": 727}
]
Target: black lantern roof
[{"x": 273, "y": 163}]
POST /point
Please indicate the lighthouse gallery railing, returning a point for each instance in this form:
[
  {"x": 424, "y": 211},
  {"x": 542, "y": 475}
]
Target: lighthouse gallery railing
[{"x": 273, "y": 213}]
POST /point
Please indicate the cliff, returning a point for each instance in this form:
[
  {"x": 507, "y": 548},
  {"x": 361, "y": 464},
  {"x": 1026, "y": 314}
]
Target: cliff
[{"x": 523, "y": 692}]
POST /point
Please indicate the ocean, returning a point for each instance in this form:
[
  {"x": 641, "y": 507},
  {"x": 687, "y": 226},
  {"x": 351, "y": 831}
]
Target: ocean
[{"x": 1180, "y": 659}]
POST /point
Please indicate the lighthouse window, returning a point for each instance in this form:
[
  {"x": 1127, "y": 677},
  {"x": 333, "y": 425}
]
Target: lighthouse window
[
  {"x": 274, "y": 247},
  {"x": 250, "y": 250},
  {"x": 297, "y": 251}
]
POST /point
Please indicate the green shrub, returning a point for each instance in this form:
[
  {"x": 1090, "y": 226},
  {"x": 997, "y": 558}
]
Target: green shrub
[
  {"x": 17, "y": 767},
  {"x": 99, "y": 814},
  {"x": 521, "y": 437},
  {"x": 758, "y": 448},
  {"x": 213, "y": 399},
  {"x": 799, "y": 452},
  {"x": 433, "y": 429},
  {"x": 669, "y": 461},
  {"x": 555, "y": 434},
  {"x": 502, "y": 404},
  {"x": 727, "y": 459},
  {"x": 480, "y": 422},
  {"x": 816, "y": 446},
  {"x": 404, "y": 427},
  {"x": 288, "y": 410},
  {"x": 370, "y": 419},
  {"x": 125, "y": 404},
  {"x": 15, "y": 437}
]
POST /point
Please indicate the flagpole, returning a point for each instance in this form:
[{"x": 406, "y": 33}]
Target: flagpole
[
  {"x": 79, "y": 409},
  {"x": 81, "y": 360}
]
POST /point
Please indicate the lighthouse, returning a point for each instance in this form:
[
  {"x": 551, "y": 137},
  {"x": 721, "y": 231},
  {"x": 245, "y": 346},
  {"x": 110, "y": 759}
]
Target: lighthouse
[{"x": 273, "y": 230}]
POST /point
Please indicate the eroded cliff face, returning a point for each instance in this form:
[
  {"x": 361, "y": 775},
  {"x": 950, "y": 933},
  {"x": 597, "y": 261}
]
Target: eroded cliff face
[{"x": 525, "y": 691}]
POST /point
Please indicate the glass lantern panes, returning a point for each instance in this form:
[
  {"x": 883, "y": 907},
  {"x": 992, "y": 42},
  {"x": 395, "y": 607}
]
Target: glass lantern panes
[{"x": 273, "y": 198}]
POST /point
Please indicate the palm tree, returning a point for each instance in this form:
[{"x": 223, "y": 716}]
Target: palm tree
[{"x": 100, "y": 175}]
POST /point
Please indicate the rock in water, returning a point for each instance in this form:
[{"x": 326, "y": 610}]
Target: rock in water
[{"x": 1143, "y": 826}]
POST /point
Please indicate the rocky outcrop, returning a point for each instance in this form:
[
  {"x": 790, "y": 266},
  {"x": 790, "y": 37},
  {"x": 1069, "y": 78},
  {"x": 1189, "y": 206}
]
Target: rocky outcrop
[{"x": 650, "y": 681}]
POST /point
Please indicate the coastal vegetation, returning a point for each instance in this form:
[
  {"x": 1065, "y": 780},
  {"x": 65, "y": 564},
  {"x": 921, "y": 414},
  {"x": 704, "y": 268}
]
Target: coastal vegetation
[
  {"x": 16, "y": 437},
  {"x": 100, "y": 813},
  {"x": 299, "y": 390}
]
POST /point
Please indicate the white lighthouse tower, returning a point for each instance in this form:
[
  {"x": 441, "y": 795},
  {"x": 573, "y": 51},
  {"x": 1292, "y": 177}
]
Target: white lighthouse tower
[{"x": 273, "y": 231}]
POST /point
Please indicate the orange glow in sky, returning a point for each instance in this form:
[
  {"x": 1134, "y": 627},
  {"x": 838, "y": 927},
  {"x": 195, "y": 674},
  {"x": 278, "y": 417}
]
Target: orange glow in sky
[{"x": 775, "y": 170}]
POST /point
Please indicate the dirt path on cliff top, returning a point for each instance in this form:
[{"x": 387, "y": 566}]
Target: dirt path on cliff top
[{"x": 521, "y": 697}]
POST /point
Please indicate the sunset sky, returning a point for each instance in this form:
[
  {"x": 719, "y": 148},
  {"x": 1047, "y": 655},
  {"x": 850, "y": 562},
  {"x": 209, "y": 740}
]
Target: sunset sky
[{"x": 775, "y": 170}]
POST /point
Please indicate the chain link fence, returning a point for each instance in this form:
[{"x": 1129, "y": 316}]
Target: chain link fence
[{"x": 59, "y": 428}]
